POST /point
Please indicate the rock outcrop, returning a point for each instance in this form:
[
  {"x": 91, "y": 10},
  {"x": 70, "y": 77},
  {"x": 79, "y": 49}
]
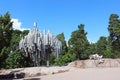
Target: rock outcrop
[{"x": 95, "y": 63}]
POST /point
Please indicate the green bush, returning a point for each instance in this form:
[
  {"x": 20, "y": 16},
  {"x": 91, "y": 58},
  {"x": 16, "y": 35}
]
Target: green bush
[
  {"x": 16, "y": 60},
  {"x": 65, "y": 59}
]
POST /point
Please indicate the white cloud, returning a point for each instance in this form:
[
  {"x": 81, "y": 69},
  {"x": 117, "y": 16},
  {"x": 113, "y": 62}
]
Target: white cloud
[
  {"x": 91, "y": 41},
  {"x": 17, "y": 24}
]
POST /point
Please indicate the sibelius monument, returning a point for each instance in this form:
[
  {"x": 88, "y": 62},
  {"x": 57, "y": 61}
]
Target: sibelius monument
[{"x": 39, "y": 45}]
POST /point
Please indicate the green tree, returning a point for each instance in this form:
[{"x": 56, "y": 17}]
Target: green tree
[
  {"x": 109, "y": 53},
  {"x": 114, "y": 34},
  {"x": 78, "y": 41},
  {"x": 15, "y": 59},
  {"x": 5, "y": 30},
  {"x": 92, "y": 48},
  {"x": 24, "y": 33},
  {"x": 101, "y": 45},
  {"x": 65, "y": 59},
  {"x": 3, "y": 56},
  {"x": 16, "y": 37},
  {"x": 64, "y": 45},
  {"x": 5, "y": 37}
]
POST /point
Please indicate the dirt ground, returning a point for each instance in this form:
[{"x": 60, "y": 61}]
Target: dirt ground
[
  {"x": 77, "y": 70},
  {"x": 83, "y": 74}
]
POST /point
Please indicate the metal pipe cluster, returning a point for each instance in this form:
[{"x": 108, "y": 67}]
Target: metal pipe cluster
[{"x": 38, "y": 45}]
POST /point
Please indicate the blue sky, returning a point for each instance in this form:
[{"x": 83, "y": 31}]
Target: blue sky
[{"x": 63, "y": 15}]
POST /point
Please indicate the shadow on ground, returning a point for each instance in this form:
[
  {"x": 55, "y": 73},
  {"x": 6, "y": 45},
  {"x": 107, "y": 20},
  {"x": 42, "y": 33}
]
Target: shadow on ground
[{"x": 32, "y": 79}]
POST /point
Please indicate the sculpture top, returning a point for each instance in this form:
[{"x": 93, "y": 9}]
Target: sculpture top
[{"x": 35, "y": 25}]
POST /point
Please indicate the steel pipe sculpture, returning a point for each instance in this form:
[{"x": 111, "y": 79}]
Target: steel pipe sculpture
[
  {"x": 97, "y": 57},
  {"x": 39, "y": 45}
]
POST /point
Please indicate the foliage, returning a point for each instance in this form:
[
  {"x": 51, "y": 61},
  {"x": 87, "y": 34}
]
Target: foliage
[
  {"x": 52, "y": 59},
  {"x": 24, "y": 33},
  {"x": 15, "y": 40},
  {"x": 16, "y": 60},
  {"x": 108, "y": 54},
  {"x": 3, "y": 56},
  {"x": 5, "y": 37},
  {"x": 5, "y": 30},
  {"x": 65, "y": 59},
  {"x": 16, "y": 37},
  {"x": 92, "y": 48},
  {"x": 10, "y": 56},
  {"x": 114, "y": 34},
  {"x": 78, "y": 41},
  {"x": 101, "y": 45},
  {"x": 64, "y": 45}
]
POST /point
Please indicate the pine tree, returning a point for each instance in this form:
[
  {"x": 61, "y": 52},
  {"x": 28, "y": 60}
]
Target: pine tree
[
  {"x": 5, "y": 37},
  {"x": 5, "y": 30},
  {"x": 114, "y": 34},
  {"x": 64, "y": 45},
  {"x": 78, "y": 41}
]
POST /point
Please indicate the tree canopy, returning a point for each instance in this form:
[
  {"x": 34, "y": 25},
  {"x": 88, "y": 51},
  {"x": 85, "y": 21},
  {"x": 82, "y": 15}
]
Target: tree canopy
[
  {"x": 78, "y": 41},
  {"x": 114, "y": 33},
  {"x": 5, "y": 30},
  {"x": 64, "y": 45},
  {"x": 5, "y": 36}
]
